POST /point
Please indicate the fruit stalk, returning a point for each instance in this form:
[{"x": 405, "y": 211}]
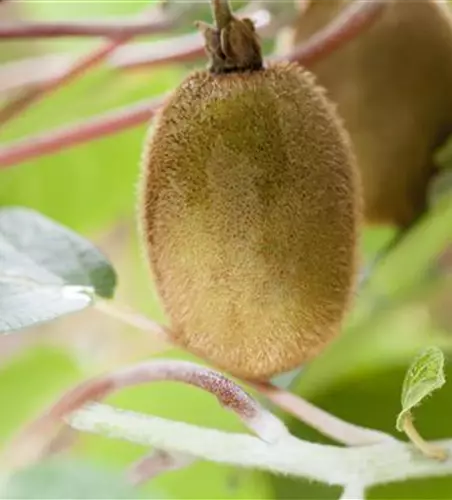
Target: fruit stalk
[
  {"x": 221, "y": 12},
  {"x": 232, "y": 44}
]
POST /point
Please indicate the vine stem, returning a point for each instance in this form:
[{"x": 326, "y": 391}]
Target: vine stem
[
  {"x": 428, "y": 449},
  {"x": 348, "y": 467},
  {"x": 115, "y": 121},
  {"x": 353, "y": 21},
  {"x": 83, "y": 28},
  {"x": 21, "y": 74},
  {"x": 79, "y": 133},
  {"x": 181, "y": 49},
  {"x": 132, "y": 318},
  {"x": 353, "y": 491},
  {"x": 156, "y": 463},
  {"x": 324, "y": 422},
  {"x": 32, "y": 442},
  {"x": 221, "y": 12},
  {"x": 17, "y": 106}
]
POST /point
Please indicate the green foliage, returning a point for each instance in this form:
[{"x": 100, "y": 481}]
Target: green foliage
[
  {"x": 31, "y": 379},
  {"x": 56, "y": 479},
  {"x": 425, "y": 375},
  {"x": 92, "y": 188},
  {"x": 47, "y": 270}
]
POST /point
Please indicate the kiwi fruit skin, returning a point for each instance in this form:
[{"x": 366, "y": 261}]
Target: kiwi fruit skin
[
  {"x": 250, "y": 218},
  {"x": 393, "y": 88}
]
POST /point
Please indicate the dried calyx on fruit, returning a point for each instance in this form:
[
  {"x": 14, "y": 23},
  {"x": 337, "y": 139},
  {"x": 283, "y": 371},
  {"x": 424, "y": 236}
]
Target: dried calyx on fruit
[
  {"x": 249, "y": 214},
  {"x": 393, "y": 87}
]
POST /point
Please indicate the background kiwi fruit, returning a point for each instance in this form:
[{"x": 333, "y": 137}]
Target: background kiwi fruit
[
  {"x": 393, "y": 88},
  {"x": 250, "y": 209}
]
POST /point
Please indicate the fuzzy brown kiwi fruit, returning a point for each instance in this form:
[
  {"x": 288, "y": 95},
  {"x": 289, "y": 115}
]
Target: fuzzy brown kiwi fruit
[
  {"x": 249, "y": 215},
  {"x": 393, "y": 87}
]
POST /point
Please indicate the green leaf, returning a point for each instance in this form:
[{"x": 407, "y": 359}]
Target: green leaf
[
  {"x": 32, "y": 379},
  {"x": 425, "y": 375},
  {"x": 60, "y": 479},
  {"x": 46, "y": 270}
]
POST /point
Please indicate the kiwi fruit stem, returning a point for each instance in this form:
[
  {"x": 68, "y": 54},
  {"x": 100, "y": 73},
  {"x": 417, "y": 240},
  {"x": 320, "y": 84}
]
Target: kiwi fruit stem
[
  {"x": 232, "y": 44},
  {"x": 222, "y": 14}
]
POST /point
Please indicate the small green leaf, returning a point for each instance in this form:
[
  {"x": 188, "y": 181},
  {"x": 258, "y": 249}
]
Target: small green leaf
[
  {"x": 60, "y": 479},
  {"x": 46, "y": 270},
  {"x": 425, "y": 375}
]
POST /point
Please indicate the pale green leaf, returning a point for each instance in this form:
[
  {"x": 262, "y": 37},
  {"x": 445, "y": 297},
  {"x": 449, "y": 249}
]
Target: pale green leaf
[
  {"x": 46, "y": 270},
  {"x": 61, "y": 479},
  {"x": 425, "y": 375}
]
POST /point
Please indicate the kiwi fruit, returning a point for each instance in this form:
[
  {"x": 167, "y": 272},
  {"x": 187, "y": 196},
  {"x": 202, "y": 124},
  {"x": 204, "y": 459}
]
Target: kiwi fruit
[
  {"x": 250, "y": 208},
  {"x": 393, "y": 88}
]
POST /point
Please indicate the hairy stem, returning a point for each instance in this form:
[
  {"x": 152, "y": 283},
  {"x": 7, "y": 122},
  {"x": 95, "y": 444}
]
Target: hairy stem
[
  {"x": 353, "y": 491},
  {"x": 348, "y": 467}
]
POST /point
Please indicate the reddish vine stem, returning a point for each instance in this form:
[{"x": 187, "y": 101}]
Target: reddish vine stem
[
  {"x": 155, "y": 463},
  {"x": 348, "y": 25},
  {"x": 183, "y": 48},
  {"x": 16, "y": 106},
  {"x": 26, "y": 73},
  {"x": 83, "y": 28},
  {"x": 32, "y": 442},
  {"x": 23, "y": 101},
  {"x": 82, "y": 65},
  {"x": 151, "y": 54},
  {"x": 79, "y": 133},
  {"x": 326, "y": 423},
  {"x": 341, "y": 30},
  {"x": 358, "y": 17}
]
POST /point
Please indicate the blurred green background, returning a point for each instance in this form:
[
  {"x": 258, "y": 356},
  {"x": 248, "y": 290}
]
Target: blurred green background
[{"x": 92, "y": 189}]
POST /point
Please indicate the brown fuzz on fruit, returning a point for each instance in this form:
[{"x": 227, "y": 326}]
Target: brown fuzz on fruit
[
  {"x": 393, "y": 87},
  {"x": 250, "y": 215}
]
